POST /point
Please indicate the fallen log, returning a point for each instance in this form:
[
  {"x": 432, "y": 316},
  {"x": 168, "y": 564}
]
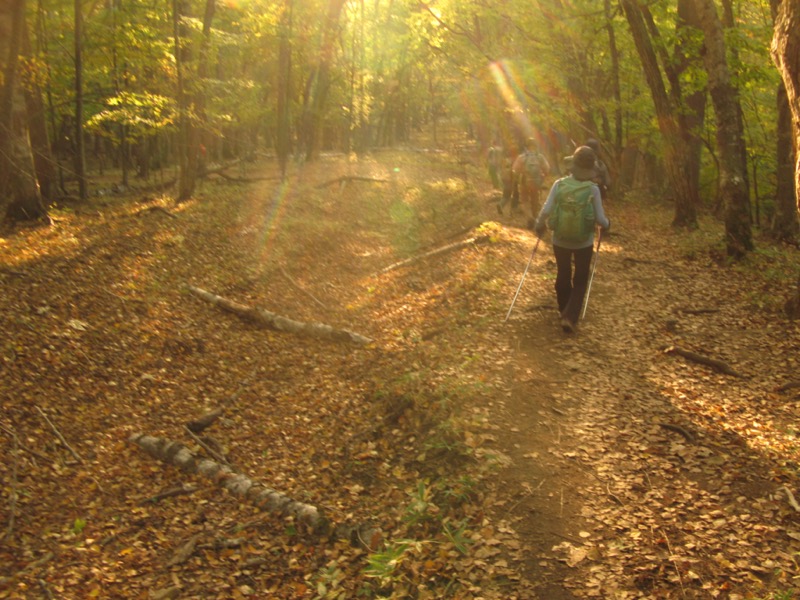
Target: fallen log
[
  {"x": 345, "y": 178},
  {"x": 481, "y": 239},
  {"x": 265, "y": 498},
  {"x": 715, "y": 364},
  {"x": 279, "y": 323},
  {"x": 260, "y": 496}
]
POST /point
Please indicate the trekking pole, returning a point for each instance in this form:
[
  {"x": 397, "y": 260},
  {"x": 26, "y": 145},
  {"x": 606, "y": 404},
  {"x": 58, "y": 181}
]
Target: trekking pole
[
  {"x": 519, "y": 287},
  {"x": 591, "y": 276}
]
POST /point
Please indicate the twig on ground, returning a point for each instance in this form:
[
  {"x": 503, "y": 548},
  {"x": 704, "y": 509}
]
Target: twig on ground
[
  {"x": 674, "y": 562},
  {"x": 35, "y": 453},
  {"x": 170, "y": 493},
  {"x": 12, "y": 503},
  {"x": 791, "y": 385},
  {"x": 213, "y": 453},
  {"x": 299, "y": 287},
  {"x": 59, "y": 436},
  {"x": 688, "y": 435}
]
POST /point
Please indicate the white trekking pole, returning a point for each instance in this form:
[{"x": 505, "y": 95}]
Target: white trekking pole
[
  {"x": 519, "y": 287},
  {"x": 591, "y": 276}
]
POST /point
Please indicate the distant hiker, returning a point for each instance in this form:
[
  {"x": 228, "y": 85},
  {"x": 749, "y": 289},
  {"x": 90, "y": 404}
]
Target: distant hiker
[
  {"x": 507, "y": 179},
  {"x": 572, "y": 209},
  {"x": 602, "y": 177},
  {"x": 529, "y": 171},
  {"x": 494, "y": 161}
]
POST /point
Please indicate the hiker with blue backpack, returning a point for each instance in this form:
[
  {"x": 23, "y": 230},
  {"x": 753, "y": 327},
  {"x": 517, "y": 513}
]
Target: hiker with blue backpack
[{"x": 572, "y": 210}]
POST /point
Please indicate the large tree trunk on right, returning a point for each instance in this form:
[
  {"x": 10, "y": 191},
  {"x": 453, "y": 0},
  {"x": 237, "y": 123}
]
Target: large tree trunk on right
[
  {"x": 676, "y": 145},
  {"x": 786, "y": 54},
  {"x": 20, "y": 198},
  {"x": 785, "y": 224}
]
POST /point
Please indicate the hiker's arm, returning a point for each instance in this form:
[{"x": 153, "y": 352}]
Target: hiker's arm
[{"x": 599, "y": 214}]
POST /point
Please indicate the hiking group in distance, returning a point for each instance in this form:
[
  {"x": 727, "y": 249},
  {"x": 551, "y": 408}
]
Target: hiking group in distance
[{"x": 573, "y": 211}]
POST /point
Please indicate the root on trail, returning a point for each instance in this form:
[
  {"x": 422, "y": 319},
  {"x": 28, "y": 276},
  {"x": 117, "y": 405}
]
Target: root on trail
[{"x": 715, "y": 364}]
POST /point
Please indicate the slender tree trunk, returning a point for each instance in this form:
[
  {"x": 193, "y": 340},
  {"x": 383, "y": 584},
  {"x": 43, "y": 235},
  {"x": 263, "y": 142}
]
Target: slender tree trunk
[
  {"x": 80, "y": 152},
  {"x": 43, "y": 159},
  {"x": 615, "y": 78},
  {"x": 318, "y": 83},
  {"x": 283, "y": 141},
  {"x": 20, "y": 198},
  {"x": 730, "y": 137},
  {"x": 675, "y": 145}
]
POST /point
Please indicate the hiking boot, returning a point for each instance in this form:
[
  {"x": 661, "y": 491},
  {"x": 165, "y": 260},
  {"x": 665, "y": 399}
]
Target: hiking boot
[{"x": 568, "y": 326}]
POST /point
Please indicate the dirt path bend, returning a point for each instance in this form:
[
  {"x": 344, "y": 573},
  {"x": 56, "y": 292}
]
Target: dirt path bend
[{"x": 635, "y": 473}]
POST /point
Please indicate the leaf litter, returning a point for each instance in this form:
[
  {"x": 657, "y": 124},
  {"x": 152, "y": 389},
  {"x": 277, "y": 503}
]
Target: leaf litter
[{"x": 496, "y": 460}]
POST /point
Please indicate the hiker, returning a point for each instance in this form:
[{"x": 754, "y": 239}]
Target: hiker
[
  {"x": 529, "y": 171},
  {"x": 510, "y": 194},
  {"x": 572, "y": 209},
  {"x": 602, "y": 176},
  {"x": 494, "y": 161}
]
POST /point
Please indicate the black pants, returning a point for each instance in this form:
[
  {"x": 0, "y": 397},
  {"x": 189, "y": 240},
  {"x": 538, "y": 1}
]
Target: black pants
[{"x": 571, "y": 287}]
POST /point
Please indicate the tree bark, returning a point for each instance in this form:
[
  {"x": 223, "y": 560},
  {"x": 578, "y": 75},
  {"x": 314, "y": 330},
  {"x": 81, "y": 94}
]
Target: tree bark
[
  {"x": 318, "y": 83},
  {"x": 80, "y": 152},
  {"x": 785, "y": 224},
  {"x": 676, "y": 146},
  {"x": 786, "y": 55},
  {"x": 20, "y": 197},
  {"x": 730, "y": 137},
  {"x": 283, "y": 145}
]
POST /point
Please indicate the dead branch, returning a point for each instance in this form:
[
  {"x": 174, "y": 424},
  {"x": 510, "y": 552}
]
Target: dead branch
[
  {"x": 204, "y": 422},
  {"x": 438, "y": 251},
  {"x": 279, "y": 323},
  {"x": 345, "y": 178},
  {"x": 213, "y": 453},
  {"x": 715, "y": 364},
  {"x": 698, "y": 311},
  {"x": 688, "y": 435},
  {"x": 59, "y": 436}
]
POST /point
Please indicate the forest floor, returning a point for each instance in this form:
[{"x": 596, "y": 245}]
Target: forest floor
[{"x": 654, "y": 454}]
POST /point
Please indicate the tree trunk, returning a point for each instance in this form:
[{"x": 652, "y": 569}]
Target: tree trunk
[
  {"x": 80, "y": 152},
  {"x": 43, "y": 159},
  {"x": 785, "y": 224},
  {"x": 786, "y": 54},
  {"x": 187, "y": 175},
  {"x": 730, "y": 137},
  {"x": 318, "y": 83},
  {"x": 283, "y": 141},
  {"x": 675, "y": 144},
  {"x": 20, "y": 198}
]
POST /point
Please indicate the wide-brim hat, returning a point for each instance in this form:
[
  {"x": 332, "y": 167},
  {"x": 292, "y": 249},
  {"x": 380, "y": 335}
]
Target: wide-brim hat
[{"x": 583, "y": 161}]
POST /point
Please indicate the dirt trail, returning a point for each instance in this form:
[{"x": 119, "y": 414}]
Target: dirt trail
[{"x": 630, "y": 471}]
